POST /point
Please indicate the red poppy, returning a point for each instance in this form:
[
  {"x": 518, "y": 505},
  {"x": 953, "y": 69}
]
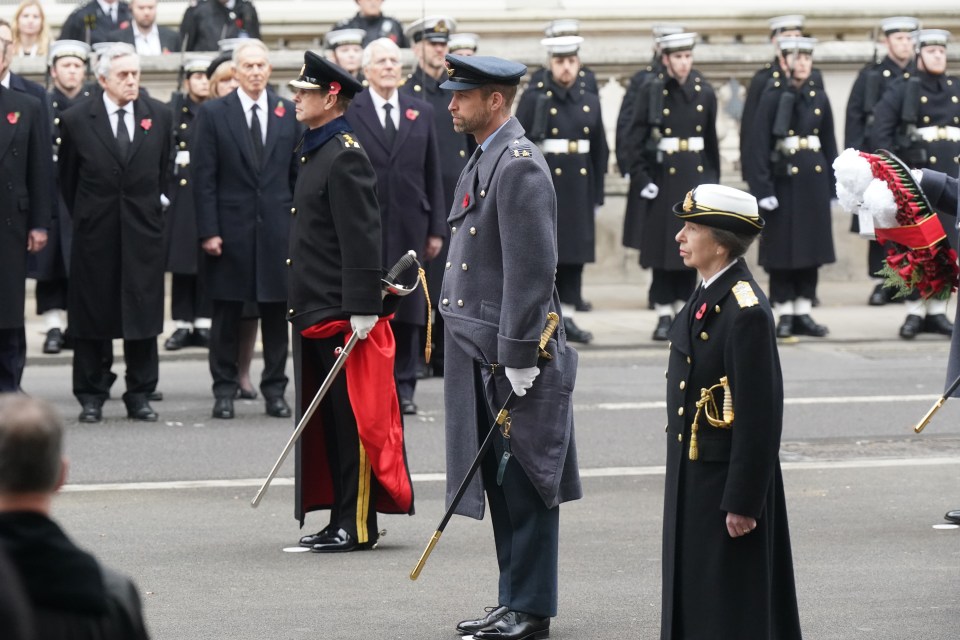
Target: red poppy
[
  {"x": 466, "y": 200},
  {"x": 146, "y": 123},
  {"x": 239, "y": 23},
  {"x": 334, "y": 88},
  {"x": 13, "y": 116},
  {"x": 412, "y": 114},
  {"x": 702, "y": 310},
  {"x": 124, "y": 24},
  {"x": 279, "y": 110}
]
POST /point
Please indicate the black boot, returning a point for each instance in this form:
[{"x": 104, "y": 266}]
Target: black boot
[
  {"x": 805, "y": 326},
  {"x": 663, "y": 328},
  {"x": 785, "y": 326},
  {"x": 178, "y": 340},
  {"x": 879, "y": 297},
  {"x": 938, "y": 324},
  {"x": 911, "y": 327},
  {"x": 53, "y": 342},
  {"x": 575, "y": 333}
]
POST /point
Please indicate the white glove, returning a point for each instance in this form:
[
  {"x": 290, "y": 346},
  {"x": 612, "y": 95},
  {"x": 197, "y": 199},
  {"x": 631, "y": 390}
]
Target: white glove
[
  {"x": 769, "y": 203},
  {"x": 917, "y": 174},
  {"x": 521, "y": 379},
  {"x": 650, "y": 191},
  {"x": 362, "y": 325},
  {"x": 164, "y": 201}
]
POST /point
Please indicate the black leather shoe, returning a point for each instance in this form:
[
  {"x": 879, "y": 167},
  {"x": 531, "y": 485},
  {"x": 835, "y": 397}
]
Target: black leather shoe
[
  {"x": 90, "y": 412},
  {"x": 953, "y": 516},
  {"x": 155, "y": 396},
  {"x": 53, "y": 342},
  {"x": 911, "y": 327},
  {"x": 341, "y": 542},
  {"x": 785, "y": 326},
  {"x": 178, "y": 340},
  {"x": 805, "y": 326},
  {"x": 278, "y": 408},
  {"x": 938, "y": 324},
  {"x": 584, "y": 306},
  {"x": 516, "y": 626},
  {"x": 575, "y": 333},
  {"x": 141, "y": 412},
  {"x": 200, "y": 338},
  {"x": 408, "y": 407},
  {"x": 492, "y": 615},
  {"x": 663, "y": 328},
  {"x": 223, "y": 408},
  {"x": 318, "y": 537},
  {"x": 246, "y": 394},
  {"x": 878, "y": 297}
]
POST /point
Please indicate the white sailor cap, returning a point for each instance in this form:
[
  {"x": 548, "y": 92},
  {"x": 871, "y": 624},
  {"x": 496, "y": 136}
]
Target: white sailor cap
[
  {"x": 677, "y": 42},
  {"x": 345, "y": 36},
  {"x": 431, "y": 29},
  {"x": 68, "y": 49},
  {"x": 932, "y": 37},
  {"x": 786, "y": 23},
  {"x": 661, "y": 29},
  {"x": 229, "y": 44},
  {"x": 196, "y": 65},
  {"x": 794, "y": 44},
  {"x": 562, "y": 46},
  {"x": 100, "y": 47},
  {"x": 462, "y": 41},
  {"x": 898, "y": 24},
  {"x": 564, "y": 27}
]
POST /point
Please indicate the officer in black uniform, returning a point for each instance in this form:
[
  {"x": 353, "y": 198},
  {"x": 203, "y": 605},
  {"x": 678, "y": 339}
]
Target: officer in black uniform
[
  {"x": 190, "y": 306},
  {"x": 564, "y": 119},
  {"x": 428, "y": 38},
  {"x": 558, "y": 29},
  {"x": 919, "y": 120},
  {"x": 789, "y": 167},
  {"x": 345, "y": 48},
  {"x": 871, "y": 83},
  {"x": 204, "y": 25},
  {"x": 780, "y": 27},
  {"x": 91, "y": 24},
  {"x": 674, "y": 147},
  {"x": 68, "y": 59},
  {"x": 370, "y": 18}
]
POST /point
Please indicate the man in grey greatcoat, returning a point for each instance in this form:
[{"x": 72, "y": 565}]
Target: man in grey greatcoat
[{"x": 503, "y": 227}]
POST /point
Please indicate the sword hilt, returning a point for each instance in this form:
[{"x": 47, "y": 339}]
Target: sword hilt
[{"x": 552, "y": 321}]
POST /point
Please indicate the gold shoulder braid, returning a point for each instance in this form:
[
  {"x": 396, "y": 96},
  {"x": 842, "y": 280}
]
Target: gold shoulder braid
[
  {"x": 705, "y": 405},
  {"x": 745, "y": 295}
]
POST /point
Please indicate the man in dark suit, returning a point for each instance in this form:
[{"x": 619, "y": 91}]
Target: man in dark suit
[
  {"x": 398, "y": 133},
  {"x": 25, "y": 167},
  {"x": 209, "y": 21},
  {"x": 71, "y": 595},
  {"x": 143, "y": 32},
  {"x": 244, "y": 172},
  {"x": 114, "y": 153},
  {"x": 93, "y": 22}
]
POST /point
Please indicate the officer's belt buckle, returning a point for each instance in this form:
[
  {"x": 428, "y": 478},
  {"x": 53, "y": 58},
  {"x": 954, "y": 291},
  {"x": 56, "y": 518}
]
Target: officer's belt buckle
[
  {"x": 572, "y": 146},
  {"x": 684, "y": 144}
]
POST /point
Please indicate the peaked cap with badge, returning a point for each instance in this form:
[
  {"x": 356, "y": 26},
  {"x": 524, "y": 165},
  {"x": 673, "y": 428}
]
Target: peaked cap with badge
[
  {"x": 721, "y": 207},
  {"x": 431, "y": 29},
  {"x": 471, "y": 72},
  {"x": 319, "y": 73}
]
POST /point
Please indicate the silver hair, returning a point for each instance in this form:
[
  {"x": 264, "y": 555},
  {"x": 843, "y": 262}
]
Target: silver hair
[
  {"x": 250, "y": 43},
  {"x": 116, "y": 51},
  {"x": 380, "y": 43}
]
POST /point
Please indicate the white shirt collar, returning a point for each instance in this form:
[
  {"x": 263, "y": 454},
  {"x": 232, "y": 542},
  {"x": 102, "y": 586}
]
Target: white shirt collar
[
  {"x": 113, "y": 107},
  {"x": 246, "y": 101},
  {"x": 713, "y": 278},
  {"x": 230, "y": 4},
  {"x": 108, "y": 8},
  {"x": 378, "y": 102},
  {"x": 5, "y": 80}
]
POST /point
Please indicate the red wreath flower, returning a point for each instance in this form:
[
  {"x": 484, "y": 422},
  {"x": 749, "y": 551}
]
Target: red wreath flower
[
  {"x": 146, "y": 124},
  {"x": 279, "y": 110},
  {"x": 13, "y": 117},
  {"x": 334, "y": 88},
  {"x": 412, "y": 114}
]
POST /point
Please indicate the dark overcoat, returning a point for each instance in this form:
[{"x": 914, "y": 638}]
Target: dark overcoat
[
  {"x": 628, "y": 108},
  {"x": 207, "y": 22},
  {"x": 689, "y": 111},
  {"x": 116, "y": 262},
  {"x": 494, "y": 305},
  {"x": 409, "y": 184},
  {"x": 247, "y": 206},
  {"x": 799, "y": 233},
  {"x": 726, "y": 588},
  {"x": 572, "y": 114},
  {"x": 25, "y": 179},
  {"x": 586, "y": 79},
  {"x": 169, "y": 39},
  {"x": 180, "y": 234},
  {"x": 91, "y": 16},
  {"x": 376, "y": 27}
]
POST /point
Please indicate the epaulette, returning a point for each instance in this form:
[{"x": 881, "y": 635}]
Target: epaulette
[
  {"x": 403, "y": 81},
  {"x": 349, "y": 142},
  {"x": 745, "y": 295},
  {"x": 521, "y": 149}
]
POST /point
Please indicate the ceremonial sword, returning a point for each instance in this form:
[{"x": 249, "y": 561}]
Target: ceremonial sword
[
  {"x": 389, "y": 286},
  {"x": 502, "y": 416},
  {"x": 936, "y": 406}
]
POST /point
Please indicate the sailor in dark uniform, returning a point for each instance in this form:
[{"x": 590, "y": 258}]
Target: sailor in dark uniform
[
  {"x": 789, "y": 167},
  {"x": 208, "y": 22},
  {"x": 370, "y": 18},
  {"x": 919, "y": 120},
  {"x": 674, "y": 147},
  {"x": 871, "y": 83},
  {"x": 68, "y": 59},
  {"x": 345, "y": 49},
  {"x": 564, "y": 119},
  {"x": 463, "y": 43},
  {"x": 190, "y": 306},
  {"x": 93, "y": 21},
  {"x": 428, "y": 38},
  {"x": 558, "y": 29}
]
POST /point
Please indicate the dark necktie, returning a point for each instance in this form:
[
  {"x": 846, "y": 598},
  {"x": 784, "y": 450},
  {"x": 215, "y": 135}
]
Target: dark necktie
[
  {"x": 256, "y": 133},
  {"x": 123, "y": 136},
  {"x": 475, "y": 158},
  {"x": 388, "y": 126}
]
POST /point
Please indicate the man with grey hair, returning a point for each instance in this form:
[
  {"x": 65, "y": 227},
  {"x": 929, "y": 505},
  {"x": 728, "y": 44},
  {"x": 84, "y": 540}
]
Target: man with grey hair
[
  {"x": 397, "y": 130},
  {"x": 114, "y": 154},
  {"x": 69, "y": 592},
  {"x": 244, "y": 172}
]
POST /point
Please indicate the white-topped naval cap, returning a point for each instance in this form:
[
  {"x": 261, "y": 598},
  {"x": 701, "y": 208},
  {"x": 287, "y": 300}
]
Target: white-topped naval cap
[
  {"x": 563, "y": 27},
  {"x": 463, "y": 41},
  {"x": 677, "y": 42},
  {"x": 899, "y": 24},
  {"x": 661, "y": 29},
  {"x": 562, "y": 46},
  {"x": 431, "y": 28},
  {"x": 932, "y": 37},
  {"x": 340, "y": 37},
  {"x": 786, "y": 23},
  {"x": 792, "y": 44},
  {"x": 68, "y": 49}
]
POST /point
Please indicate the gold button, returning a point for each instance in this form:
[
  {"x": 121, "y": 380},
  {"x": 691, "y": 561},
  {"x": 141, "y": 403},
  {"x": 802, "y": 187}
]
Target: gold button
[
  {"x": 955, "y": 99},
  {"x": 683, "y": 385},
  {"x": 58, "y": 140},
  {"x": 483, "y": 193},
  {"x": 183, "y": 182},
  {"x": 549, "y": 94},
  {"x": 448, "y": 265},
  {"x": 417, "y": 87},
  {"x": 186, "y": 110},
  {"x": 453, "y": 229},
  {"x": 906, "y": 74},
  {"x": 463, "y": 154},
  {"x": 555, "y": 131},
  {"x": 816, "y": 132},
  {"x": 583, "y": 172},
  {"x": 716, "y": 309},
  {"x": 666, "y": 111},
  {"x": 696, "y": 87},
  {"x": 776, "y": 74},
  {"x": 812, "y": 93},
  {"x": 183, "y": 126},
  {"x": 680, "y": 411},
  {"x": 818, "y": 169},
  {"x": 817, "y": 111},
  {"x": 672, "y": 171},
  {"x": 553, "y": 111},
  {"x": 665, "y": 92},
  {"x": 445, "y": 301},
  {"x": 290, "y": 311},
  {"x": 183, "y": 145},
  {"x": 679, "y": 437},
  {"x": 57, "y": 120},
  {"x": 699, "y": 128},
  {"x": 668, "y": 131},
  {"x": 886, "y": 73},
  {"x": 699, "y": 168},
  {"x": 586, "y": 108},
  {"x": 586, "y": 130},
  {"x": 459, "y": 303},
  {"x": 539, "y": 85},
  {"x": 293, "y": 210},
  {"x": 794, "y": 170},
  {"x": 464, "y": 266},
  {"x": 926, "y": 119},
  {"x": 933, "y": 159},
  {"x": 558, "y": 171},
  {"x": 289, "y": 262},
  {"x": 777, "y": 83},
  {"x": 923, "y": 99},
  {"x": 688, "y": 360},
  {"x": 303, "y": 159},
  {"x": 790, "y": 132},
  {"x": 473, "y": 231},
  {"x": 699, "y": 107},
  {"x": 704, "y": 336}
]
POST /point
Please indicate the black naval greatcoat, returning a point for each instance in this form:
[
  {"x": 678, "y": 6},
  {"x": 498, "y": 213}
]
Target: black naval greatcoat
[
  {"x": 628, "y": 109},
  {"x": 91, "y": 17},
  {"x": 210, "y": 21},
  {"x": 798, "y": 234},
  {"x": 376, "y": 27},
  {"x": 687, "y": 111},
  {"x": 586, "y": 79},
  {"x": 180, "y": 233},
  {"x": 715, "y": 586},
  {"x": 573, "y": 116}
]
